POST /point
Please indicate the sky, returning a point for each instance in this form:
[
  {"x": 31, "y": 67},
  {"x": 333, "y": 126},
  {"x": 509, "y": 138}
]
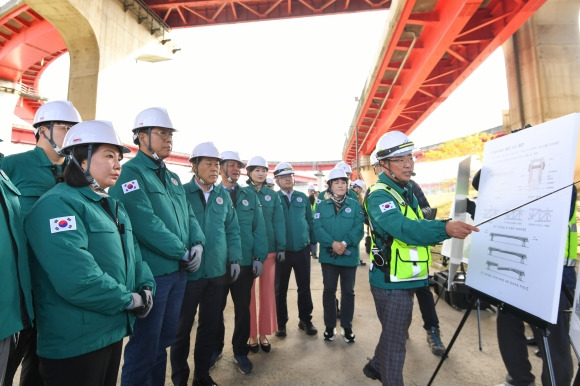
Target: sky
[{"x": 283, "y": 89}]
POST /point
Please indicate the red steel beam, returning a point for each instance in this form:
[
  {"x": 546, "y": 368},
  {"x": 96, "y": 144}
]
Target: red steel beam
[
  {"x": 455, "y": 38},
  {"x": 180, "y": 14}
]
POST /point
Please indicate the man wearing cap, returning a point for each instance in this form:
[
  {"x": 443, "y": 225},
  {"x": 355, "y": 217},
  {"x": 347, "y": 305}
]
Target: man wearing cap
[
  {"x": 401, "y": 256},
  {"x": 207, "y": 286},
  {"x": 254, "y": 252},
  {"x": 35, "y": 172},
  {"x": 299, "y": 235},
  {"x": 16, "y": 294},
  {"x": 168, "y": 235}
]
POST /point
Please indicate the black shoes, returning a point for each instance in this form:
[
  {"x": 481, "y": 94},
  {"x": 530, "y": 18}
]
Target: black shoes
[
  {"x": 329, "y": 333},
  {"x": 265, "y": 345},
  {"x": 371, "y": 372},
  {"x": 254, "y": 347},
  {"x": 281, "y": 333},
  {"x": 307, "y": 327}
]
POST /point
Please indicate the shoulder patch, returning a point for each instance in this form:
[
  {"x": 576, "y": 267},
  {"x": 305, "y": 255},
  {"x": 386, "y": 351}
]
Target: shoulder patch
[
  {"x": 299, "y": 199},
  {"x": 387, "y": 206},
  {"x": 267, "y": 197},
  {"x": 348, "y": 210},
  {"x": 130, "y": 186},
  {"x": 63, "y": 224}
]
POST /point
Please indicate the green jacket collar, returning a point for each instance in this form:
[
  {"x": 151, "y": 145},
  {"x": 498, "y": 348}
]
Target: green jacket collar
[{"x": 90, "y": 193}]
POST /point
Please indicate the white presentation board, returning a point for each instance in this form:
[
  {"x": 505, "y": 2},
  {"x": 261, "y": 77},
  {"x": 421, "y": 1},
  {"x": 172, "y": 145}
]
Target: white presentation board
[{"x": 518, "y": 257}]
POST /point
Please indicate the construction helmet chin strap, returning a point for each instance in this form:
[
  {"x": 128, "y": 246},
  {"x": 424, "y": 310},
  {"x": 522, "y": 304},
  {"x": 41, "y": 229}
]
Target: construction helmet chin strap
[
  {"x": 153, "y": 154},
  {"x": 393, "y": 176},
  {"x": 94, "y": 184},
  {"x": 196, "y": 173},
  {"x": 50, "y": 140}
]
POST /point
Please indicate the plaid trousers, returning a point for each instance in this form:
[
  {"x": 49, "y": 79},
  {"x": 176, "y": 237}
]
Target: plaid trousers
[{"x": 394, "y": 309}]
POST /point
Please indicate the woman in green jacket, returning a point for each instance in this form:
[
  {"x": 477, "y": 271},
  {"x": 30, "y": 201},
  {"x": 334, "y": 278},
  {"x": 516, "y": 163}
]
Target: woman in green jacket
[
  {"x": 338, "y": 226},
  {"x": 87, "y": 274},
  {"x": 263, "y": 321}
]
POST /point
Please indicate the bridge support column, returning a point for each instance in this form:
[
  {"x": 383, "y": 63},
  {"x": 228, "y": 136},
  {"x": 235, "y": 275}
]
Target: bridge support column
[
  {"x": 543, "y": 65},
  {"x": 98, "y": 34}
]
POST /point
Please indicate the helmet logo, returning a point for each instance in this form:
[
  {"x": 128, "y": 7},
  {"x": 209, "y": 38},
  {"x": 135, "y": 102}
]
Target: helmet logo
[{"x": 76, "y": 140}]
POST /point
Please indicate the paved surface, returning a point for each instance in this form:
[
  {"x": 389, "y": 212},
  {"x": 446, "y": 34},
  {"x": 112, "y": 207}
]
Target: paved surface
[{"x": 300, "y": 360}]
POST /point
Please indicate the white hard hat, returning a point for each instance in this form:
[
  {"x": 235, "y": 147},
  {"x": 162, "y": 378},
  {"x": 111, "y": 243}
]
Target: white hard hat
[
  {"x": 393, "y": 144},
  {"x": 373, "y": 158},
  {"x": 359, "y": 183},
  {"x": 57, "y": 111},
  {"x": 282, "y": 169},
  {"x": 153, "y": 117},
  {"x": 311, "y": 187},
  {"x": 257, "y": 161},
  {"x": 231, "y": 155},
  {"x": 205, "y": 149},
  {"x": 92, "y": 132},
  {"x": 344, "y": 166},
  {"x": 269, "y": 181},
  {"x": 336, "y": 173}
]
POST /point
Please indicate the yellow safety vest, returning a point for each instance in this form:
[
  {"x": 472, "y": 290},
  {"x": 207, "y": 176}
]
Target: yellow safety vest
[
  {"x": 572, "y": 242},
  {"x": 407, "y": 262}
]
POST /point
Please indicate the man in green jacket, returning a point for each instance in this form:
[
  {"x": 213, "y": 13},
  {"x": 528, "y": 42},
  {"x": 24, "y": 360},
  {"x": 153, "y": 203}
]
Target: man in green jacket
[
  {"x": 35, "y": 172},
  {"x": 400, "y": 256},
  {"x": 299, "y": 237},
  {"x": 254, "y": 252},
  {"x": 168, "y": 235},
  {"x": 15, "y": 286},
  {"x": 206, "y": 287}
]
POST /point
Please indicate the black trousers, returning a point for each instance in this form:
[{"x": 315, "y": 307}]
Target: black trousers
[
  {"x": 514, "y": 351},
  {"x": 299, "y": 261},
  {"x": 25, "y": 352},
  {"x": 96, "y": 368},
  {"x": 207, "y": 294},
  {"x": 427, "y": 307},
  {"x": 241, "y": 291}
]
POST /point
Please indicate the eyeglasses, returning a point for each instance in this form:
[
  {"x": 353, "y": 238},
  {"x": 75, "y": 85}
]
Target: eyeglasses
[
  {"x": 165, "y": 135},
  {"x": 402, "y": 160},
  {"x": 67, "y": 126}
]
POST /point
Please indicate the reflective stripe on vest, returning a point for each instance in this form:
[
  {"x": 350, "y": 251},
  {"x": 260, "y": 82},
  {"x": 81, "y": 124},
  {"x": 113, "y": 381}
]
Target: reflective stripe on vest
[
  {"x": 407, "y": 262},
  {"x": 571, "y": 252}
]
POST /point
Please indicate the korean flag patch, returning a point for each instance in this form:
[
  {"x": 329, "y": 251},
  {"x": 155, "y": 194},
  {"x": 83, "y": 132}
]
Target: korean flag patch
[
  {"x": 387, "y": 206},
  {"x": 130, "y": 186},
  {"x": 63, "y": 224}
]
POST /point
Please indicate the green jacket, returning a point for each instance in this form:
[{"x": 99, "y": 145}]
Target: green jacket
[
  {"x": 15, "y": 272},
  {"x": 163, "y": 221},
  {"x": 387, "y": 220},
  {"x": 33, "y": 173},
  {"x": 219, "y": 222},
  {"x": 83, "y": 271},
  {"x": 273, "y": 219},
  {"x": 252, "y": 227},
  {"x": 298, "y": 217},
  {"x": 346, "y": 225}
]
